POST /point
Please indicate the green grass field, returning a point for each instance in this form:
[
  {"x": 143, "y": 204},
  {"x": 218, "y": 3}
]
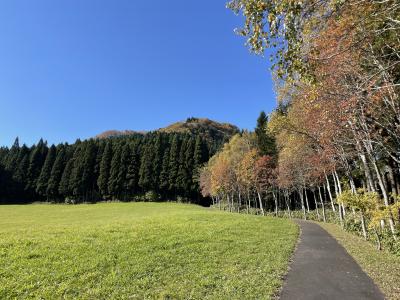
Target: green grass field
[{"x": 140, "y": 251}]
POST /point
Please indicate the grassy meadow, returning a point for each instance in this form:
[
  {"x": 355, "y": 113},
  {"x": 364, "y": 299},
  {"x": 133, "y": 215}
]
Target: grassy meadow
[{"x": 140, "y": 251}]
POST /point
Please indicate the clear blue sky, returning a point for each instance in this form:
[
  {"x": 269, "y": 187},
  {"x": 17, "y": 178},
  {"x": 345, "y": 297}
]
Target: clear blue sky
[{"x": 74, "y": 68}]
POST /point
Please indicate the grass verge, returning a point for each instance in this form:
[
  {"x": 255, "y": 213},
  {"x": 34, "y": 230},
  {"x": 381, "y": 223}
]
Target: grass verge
[
  {"x": 382, "y": 266},
  {"x": 140, "y": 251}
]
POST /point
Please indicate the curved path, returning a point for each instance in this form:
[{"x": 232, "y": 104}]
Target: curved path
[{"x": 322, "y": 269}]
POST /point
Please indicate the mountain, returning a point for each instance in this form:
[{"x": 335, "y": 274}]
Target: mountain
[
  {"x": 208, "y": 129},
  {"x": 115, "y": 133}
]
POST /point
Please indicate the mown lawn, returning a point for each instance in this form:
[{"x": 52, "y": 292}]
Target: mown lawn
[{"x": 140, "y": 251}]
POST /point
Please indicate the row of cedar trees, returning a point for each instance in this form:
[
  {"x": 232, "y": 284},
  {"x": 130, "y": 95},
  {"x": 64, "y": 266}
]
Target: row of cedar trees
[
  {"x": 161, "y": 164},
  {"x": 337, "y": 126}
]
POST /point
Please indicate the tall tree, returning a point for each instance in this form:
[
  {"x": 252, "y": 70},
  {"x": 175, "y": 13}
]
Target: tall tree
[
  {"x": 265, "y": 141},
  {"x": 104, "y": 172},
  {"x": 56, "y": 173},
  {"x": 42, "y": 182},
  {"x": 114, "y": 181},
  {"x": 174, "y": 163},
  {"x": 36, "y": 160},
  {"x": 64, "y": 186}
]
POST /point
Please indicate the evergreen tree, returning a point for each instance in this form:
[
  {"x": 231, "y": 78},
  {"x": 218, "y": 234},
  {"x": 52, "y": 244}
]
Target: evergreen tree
[
  {"x": 104, "y": 171},
  {"x": 36, "y": 160},
  {"x": 200, "y": 153},
  {"x": 114, "y": 184},
  {"x": 99, "y": 155},
  {"x": 123, "y": 169},
  {"x": 174, "y": 163},
  {"x": 265, "y": 141},
  {"x": 164, "y": 174},
  {"x": 182, "y": 174},
  {"x": 132, "y": 173},
  {"x": 189, "y": 185},
  {"x": 146, "y": 168},
  {"x": 75, "y": 181},
  {"x": 64, "y": 187},
  {"x": 118, "y": 167},
  {"x": 157, "y": 161},
  {"x": 19, "y": 176},
  {"x": 56, "y": 173},
  {"x": 41, "y": 185},
  {"x": 88, "y": 180},
  {"x": 12, "y": 157}
]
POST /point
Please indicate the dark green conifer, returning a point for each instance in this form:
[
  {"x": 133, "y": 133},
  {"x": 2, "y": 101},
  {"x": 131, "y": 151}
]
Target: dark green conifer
[
  {"x": 88, "y": 164},
  {"x": 146, "y": 167},
  {"x": 164, "y": 174},
  {"x": 36, "y": 160},
  {"x": 200, "y": 153},
  {"x": 41, "y": 185},
  {"x": 174, "y": 163},
  {"x": 64, "y": 187},
  {"x": 265, "y": 141},
  {"x": 56, "y": 173},
  {"x": 132, "y": 173},
  {"x": 104, "y": 171},
  {"x": 75, "y": 181},
  {"x": 114, "y": 185}
]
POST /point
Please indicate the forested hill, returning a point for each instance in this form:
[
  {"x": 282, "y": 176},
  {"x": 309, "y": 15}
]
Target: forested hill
[
  {"x": 159, "y": 165},
  {"x": 208, "y": 129}
]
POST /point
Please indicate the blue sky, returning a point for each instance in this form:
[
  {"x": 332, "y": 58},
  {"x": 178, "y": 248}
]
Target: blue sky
[{"x": 74, "y": 68}]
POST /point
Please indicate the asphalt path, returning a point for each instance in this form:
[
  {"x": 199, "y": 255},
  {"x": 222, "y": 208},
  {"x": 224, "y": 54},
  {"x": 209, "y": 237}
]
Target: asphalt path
[{"x": 322, "y": 269}]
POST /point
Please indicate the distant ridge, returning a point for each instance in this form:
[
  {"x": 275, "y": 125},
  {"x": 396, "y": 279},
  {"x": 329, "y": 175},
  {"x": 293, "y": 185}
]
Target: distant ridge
[
  {"x": 115, "y": 133},
  {"x": 207, "y": 128}
]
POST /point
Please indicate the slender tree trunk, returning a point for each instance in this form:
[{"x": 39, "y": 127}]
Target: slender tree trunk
[
  {"x": 276, "y": 203},
  {"x": 367, "y": 172},
  {"x": 392, "y": 180},
  {"x": 307, "y": 203},
  {"x": 248, "y": 201},
  {"x": 316, "y": 204},
  {"x": 240, "y": 200},
  {"x": 341, "y": 216},
  {"x": 261, "y": 205},
  {"x": 302, "y": 203},
  {"x": 385, "y": 197},
  {"x": 364, "y": 229},
  {"x": 287, "y": 200},
  {"x": 352, "y": 184},
  {"x": 338, "y": 182},
  {"x": 322, "y": 204},
  {"x": 329, "y": 192},
  {"x": 339, "y": 192}
]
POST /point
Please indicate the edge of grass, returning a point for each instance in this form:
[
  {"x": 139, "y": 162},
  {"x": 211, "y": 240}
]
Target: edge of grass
[
  {"x": 278, "y": 293},
  {"x": 382, "y": 266}
]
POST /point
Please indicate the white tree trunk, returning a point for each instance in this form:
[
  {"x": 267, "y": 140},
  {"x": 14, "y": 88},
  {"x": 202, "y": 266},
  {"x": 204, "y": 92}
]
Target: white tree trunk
[
  {"x": 322, "y": 204},
  {"x": 316, "y": 204},
  {"x": 302, "y": 204},
  {"x": 261, "y": 205},
  {"x": 329, "y": 192}
]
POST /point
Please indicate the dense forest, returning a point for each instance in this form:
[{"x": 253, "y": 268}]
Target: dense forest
[
  {"x": 152, "y": 166},
  {"x": 336, "y": 129}
]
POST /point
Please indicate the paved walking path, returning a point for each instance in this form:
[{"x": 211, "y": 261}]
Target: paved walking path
[{"x": 322, "y": 269}]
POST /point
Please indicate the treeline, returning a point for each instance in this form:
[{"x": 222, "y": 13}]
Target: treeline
[
  {"x": 154, "y": 166},
  {"x": 337, "y": 125}
]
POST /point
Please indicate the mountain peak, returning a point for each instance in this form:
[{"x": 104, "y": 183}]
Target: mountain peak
[{"x": 207, "y": 128}]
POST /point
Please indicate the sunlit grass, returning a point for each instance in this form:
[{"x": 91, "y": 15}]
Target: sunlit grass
[
  {"x": 383, "y": 267},
  {"x": 140, "y": 250}
]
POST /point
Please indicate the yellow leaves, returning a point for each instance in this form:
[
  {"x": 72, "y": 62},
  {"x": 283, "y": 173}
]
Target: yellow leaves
[
  {"x": 370, "y": 204},
  {"x": 362, "y": 200},
  {"x": 226, "y": 166}
]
